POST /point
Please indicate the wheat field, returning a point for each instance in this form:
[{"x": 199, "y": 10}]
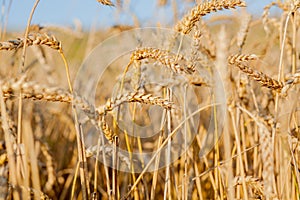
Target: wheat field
[{"x": 203, "y": 108}]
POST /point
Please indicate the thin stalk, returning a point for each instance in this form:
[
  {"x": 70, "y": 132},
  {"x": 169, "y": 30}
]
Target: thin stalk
[
  {"x": 216, "y": 153},
  {"x": 167, "y": 188},
  {"x": 131, "y": 163},
  {"x": 74, "y": 180},
  {"x": 26, "y": 35},
  {"x": 96, "y": 165},
  {"x": 106, "y": 168},
  {"x": 239, "y": 149},
  {"x": 136, "y": 196},
  {"x": 115, "y": 189},
  {"x": 280, "y": 67},
  {"x": 294, "y": 42},
  {"x": 185, "y": 178},
  {"x": 79, "y": 136}
]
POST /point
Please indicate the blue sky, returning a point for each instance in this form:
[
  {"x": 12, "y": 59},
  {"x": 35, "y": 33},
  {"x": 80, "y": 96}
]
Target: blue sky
[{"x": 90, "y": 12}]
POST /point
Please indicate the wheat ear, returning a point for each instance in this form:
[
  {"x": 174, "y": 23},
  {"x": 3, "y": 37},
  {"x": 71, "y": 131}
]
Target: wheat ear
[
  {"x": 177, "y": 63},
  {"x": 32, "y": 39},
  {"x": 133, "y": 97},
  {"x": 240, "y": 60},
  {"x": 188, "y": 21}
]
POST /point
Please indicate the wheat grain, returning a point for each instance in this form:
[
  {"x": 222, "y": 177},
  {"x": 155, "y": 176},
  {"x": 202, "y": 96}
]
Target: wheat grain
[
  {"x": 238, "y": 58},
  {"x": 107, "y": 132}
]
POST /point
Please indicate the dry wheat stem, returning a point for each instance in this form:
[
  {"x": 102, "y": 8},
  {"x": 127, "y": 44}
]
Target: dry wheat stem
[
  {"x": 188, "y": 21},
  {"x": 240, "y": 60}
]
